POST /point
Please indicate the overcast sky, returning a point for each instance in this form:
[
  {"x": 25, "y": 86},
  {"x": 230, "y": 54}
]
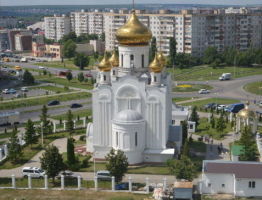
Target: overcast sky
[{"x": 92, "y": 2}]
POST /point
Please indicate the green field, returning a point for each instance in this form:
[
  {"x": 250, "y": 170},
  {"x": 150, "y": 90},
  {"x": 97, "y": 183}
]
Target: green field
[
  {"x": 255, "y": 88},
  {"x": 53, "y": 89},
  {"x": 63, "y": 81},
  {"x": 11, "y": 194},
  {"x": 191, "y": 87},
  {"x": 180, "y": 99},
  {"x": 204, "y": 73},
  {"x": 201, "y": 103},
  {"x": 42, "y": 100},
  {"x": 80, "y": 113}
]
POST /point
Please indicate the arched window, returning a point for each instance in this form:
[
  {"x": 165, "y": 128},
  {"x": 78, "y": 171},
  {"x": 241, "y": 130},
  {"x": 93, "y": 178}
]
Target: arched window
[
  {"x": 104, "y": 77},
  {"x": 154, "y": 78},
  {"x": 131, "y": 57},
  {"x": 136, "y": 139},
  {"x": 143, "y": 60},
  {"x": 122, "y": 60}
]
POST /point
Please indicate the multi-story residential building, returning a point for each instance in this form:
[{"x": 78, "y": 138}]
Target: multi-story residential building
[
  {"x": 193, "y": 30},
  {"x": 4, "y": 41},
  {"x": 23, "y": 42},
  {"x": 56, "y": 27}
]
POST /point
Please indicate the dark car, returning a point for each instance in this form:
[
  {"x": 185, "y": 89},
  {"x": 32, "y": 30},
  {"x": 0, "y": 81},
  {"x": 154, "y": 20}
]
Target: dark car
[
  {"x": 67, "y": 174},
  {"x": 235, "y": 108},
  {"x": 76, "y": 105},
  {"x": 209, "y": 105},
  {"x": 122, "y": 186},
  {"x": 53, "y": 103}
]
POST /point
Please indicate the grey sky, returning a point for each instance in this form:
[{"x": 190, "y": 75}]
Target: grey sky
[{"x": 85, "y": 2}]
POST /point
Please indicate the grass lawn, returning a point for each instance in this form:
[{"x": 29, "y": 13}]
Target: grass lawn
[
  {"x": 255, "y": 88},
  {"x": 53, "y": 89},
  {"x": 198, "y": 146},
  {"x": 9, "y": 194},
  {"x": 205, "y": 128},
  {"x": 201, "y": 103},
  {"x": 203, "y": 72},
  {"x": 191, "y": 87},
  {"x": 80, "y": 113},
  {"x": 63, "y": 81},
  {"x": 42, "y": 100},
  {"x": 180, "y": 99},
  {"x": 29, "y": 152}
]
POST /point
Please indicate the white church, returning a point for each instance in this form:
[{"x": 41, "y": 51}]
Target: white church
[{"x": 132, "y": 102}]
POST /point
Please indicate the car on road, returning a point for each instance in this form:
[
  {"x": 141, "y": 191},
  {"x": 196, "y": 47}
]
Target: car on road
[
  {"x": 41, "y": 67},
  {"x": 53, "y": 103},
  {"x": 12, "y": 91},
  {"x": 34, "y": 172},
  {"x": 5, "y": 91},
  {"x": 24, "y": 89},
  {"x": 76, "y": 105},
  {"x": 67, "y": 174},
  {"x": 23, "y": 59},
  {"x": 103, "y": 175},
  {"x": 203, "y": 91}
]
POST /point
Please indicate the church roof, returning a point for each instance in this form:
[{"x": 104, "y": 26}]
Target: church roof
[{"x": 128, "y": 116}]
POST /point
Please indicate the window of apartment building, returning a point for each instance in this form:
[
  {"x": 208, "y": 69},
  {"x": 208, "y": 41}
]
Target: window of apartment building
[
  {"x": 223, "y": 185},
  {"x": 251, "y": 184}
]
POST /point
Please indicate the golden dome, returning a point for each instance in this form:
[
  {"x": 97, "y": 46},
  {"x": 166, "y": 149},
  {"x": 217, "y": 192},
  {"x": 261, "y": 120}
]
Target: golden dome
[
  {"x": 114, "y": 60},
  {"x": 246, "y": 113},
  {"x": 133, "y": 32},
  {"x": 105, "y": 64},
  {"x": 161, "y": 58},
  {"x": 155, "y": 65}
]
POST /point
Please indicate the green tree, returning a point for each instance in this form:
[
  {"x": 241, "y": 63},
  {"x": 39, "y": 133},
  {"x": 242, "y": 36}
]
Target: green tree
[
  {"x": 69, "y": 122},
  {"x": 47, "y": 129},
  {"x": 103, "y": 37},
  {"x": 28, "y": 78},
  {"x": 212, "y": 121},
  {"x": 70, "y": 152},
  {"x": 80, "y": 77},
  {"x": 184, "y": 131},
  {"x": 81, "y": 60},
  {"x": 194, "y": 116},
  {"x": 153, "y": 49},
  {"x": 30, "y": 136},
  {"x": 70, "y": 36},
  {"x": 52, "y": 161},
  {"x": 172, "y": 52},
  {"x": 69, "y": 49},
  {"x": 249, "y": 152},
  {"x": 210, "y": 55},
  {"x": 69, "y": 76},
  {"x": 14, "y": 149},
  {"x": 221, "y": 125},
  {"x": 183, "y": 168},
  {"x": 117, "y": 164},
  {"x": 186, "y": 149}
]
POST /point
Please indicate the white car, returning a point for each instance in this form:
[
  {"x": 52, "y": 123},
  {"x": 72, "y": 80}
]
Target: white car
[
  {"x": 41, "y": 67},
  {"x": 34, "y": 172},
  {"x": 221, "y": 107},
  {"x": 103, "y": 175},
  {"x": 203, "y": 91},
  {"x": 5, "y": 91},
  {"x": 24, "y": 89},
  {"x": 260, "y": 104}
]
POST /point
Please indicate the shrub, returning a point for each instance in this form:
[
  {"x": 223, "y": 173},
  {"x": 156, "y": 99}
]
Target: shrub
[
  {"x": 82, "y": 138},
  {"x": 85, "y": 162}
]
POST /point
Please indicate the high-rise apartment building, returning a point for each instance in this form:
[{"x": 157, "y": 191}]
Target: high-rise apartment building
[{"x": 56, "y": 27}]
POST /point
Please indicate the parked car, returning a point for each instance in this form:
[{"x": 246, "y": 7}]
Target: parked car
[
  {"x": 221, "y": 107},
  {"x": 260, "y": 104},
  {"x": 122, "y": 186},
  {"x": 34, "y": 172},
  {"x": 66, "y": 174},
  {"x": 103, "y": 175},
  {"x": 53, "y": 103},
  {"x": 203, "y": 91},
  {"x": 76, "y": 105},
  {"x": 23, "y": 59},
  {"x": 24, "y": 89},
  {"x": 41, "y": 67},
  {"x": 234, "y": 108},
  {"x": 17, "y": 95},
  {"x": 5, "y": 91},
  {"x": 12, "y": 91},
  {"x": 209, "y": 105},
  {"x": 89, "y": 75}
]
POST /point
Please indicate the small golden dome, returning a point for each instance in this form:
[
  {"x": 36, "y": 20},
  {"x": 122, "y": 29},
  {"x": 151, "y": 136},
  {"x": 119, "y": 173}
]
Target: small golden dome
[
  {"x": 161, "y": 58},
  {"x": 155, "y": 65},
  {"x": 114, "y": 60},
  {"x": 133, "y": 32},
  {"x": 105, "y": 64},
  {"x": 246, "y": 113}
]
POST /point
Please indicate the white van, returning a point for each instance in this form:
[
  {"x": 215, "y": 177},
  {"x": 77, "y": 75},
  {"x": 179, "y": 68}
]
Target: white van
[
  {"x": 103, "y": 175},
  {"x": 34, "y": 172}
]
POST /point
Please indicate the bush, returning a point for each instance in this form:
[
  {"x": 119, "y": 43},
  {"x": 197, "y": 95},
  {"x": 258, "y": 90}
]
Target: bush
[
  {"x": 85, "y": 162},
  {"x": 82, "y": 138}
]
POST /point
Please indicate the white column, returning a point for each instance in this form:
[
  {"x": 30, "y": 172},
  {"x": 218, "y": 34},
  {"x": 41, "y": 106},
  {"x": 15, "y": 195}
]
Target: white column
[
  {"x": 130, "y": 184},
  {"x": 54, "y": 127},
  {"x": 29, "y": 182},
  {"x": 46, "y": 182},
  {"x": 96, "y": 183},
  {"x": 113, "y": 183},
  {"x": 62, "y": 182},
  {"x": 79, "y": 182},
  {"x": 6, "y": 150},
  {"x": 13, "y": 181},
  {"x": 147, "y": 185},
  {"x": 1, "y": 154},
  {"x": 164, "y": 183},
  {"x": 64, "y": 125},
  {"x": 231, "y": 117},
  {"x": 84, "y": 122},
  {"x": 74, "y": 124},
  {"x": 155, "y": 78},
  {"x": 104, "y": 78},
  {"x": 209, "y": 117}
]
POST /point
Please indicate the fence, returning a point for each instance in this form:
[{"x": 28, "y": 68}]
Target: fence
[{"x": 77, "y": 183}]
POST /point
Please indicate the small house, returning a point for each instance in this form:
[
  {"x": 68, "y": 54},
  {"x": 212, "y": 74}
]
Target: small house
[{"x": 183, "y": 190}]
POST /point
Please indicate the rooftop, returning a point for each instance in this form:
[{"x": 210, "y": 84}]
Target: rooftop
[{"x": 183, "y": 184}]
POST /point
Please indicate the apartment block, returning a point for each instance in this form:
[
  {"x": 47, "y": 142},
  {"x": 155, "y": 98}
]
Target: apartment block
[{"x": 56, "y": 27}]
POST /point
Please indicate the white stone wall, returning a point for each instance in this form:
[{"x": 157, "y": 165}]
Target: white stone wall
[{"x": 242, "y": 188}]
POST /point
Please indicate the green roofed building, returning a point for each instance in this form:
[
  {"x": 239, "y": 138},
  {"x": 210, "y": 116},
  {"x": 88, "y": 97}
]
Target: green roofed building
[{"x": 236, "y": 150}]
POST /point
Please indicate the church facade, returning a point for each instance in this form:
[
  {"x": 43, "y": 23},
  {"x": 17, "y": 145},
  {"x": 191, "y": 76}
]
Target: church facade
[{"x": 132, "y": 102}]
